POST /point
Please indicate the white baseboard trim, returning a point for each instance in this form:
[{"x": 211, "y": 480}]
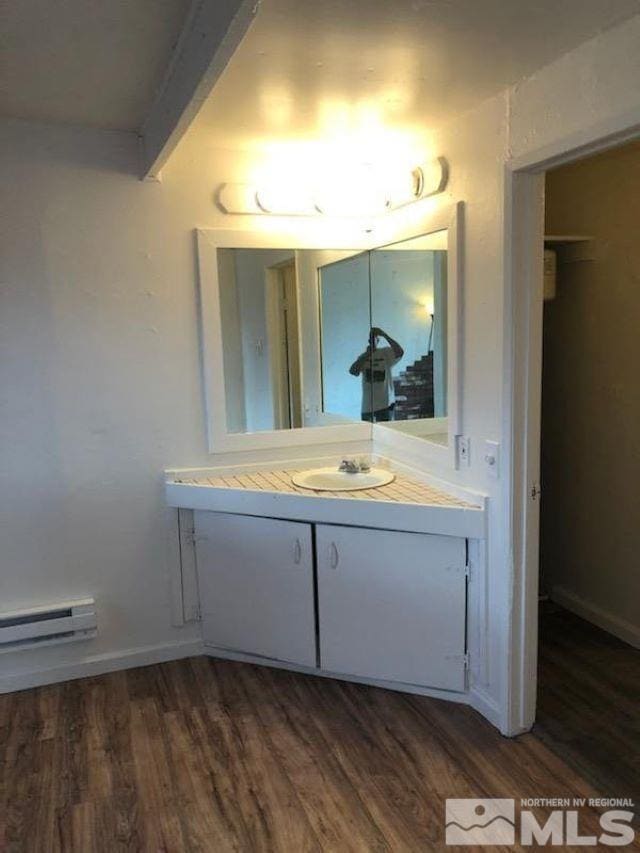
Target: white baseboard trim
[
  {"x": 100, "y": 664},
  {"x": 485, "y": 705},
  {"x": 604, "y": 619},
  {"x": 148, "y": 655},
  {"x": 399, "y": 687}
]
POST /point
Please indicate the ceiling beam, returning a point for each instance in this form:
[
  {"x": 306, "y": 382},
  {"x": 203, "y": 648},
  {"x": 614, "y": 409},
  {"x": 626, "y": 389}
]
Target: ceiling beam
[{"x": 212, "y": 32}]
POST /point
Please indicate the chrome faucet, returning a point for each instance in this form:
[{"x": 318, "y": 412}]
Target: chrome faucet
[{"x": 354, "y": 466}]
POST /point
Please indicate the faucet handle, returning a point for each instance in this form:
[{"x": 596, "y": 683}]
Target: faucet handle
[{"x": 355, "y": 466}]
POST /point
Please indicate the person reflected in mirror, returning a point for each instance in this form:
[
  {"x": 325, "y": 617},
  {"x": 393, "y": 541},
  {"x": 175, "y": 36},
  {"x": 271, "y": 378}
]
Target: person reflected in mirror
[{"x": 374, "y": 365}]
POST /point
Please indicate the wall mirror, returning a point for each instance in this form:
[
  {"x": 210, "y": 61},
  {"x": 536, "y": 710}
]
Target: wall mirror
[{"x": 306, "y": 345}]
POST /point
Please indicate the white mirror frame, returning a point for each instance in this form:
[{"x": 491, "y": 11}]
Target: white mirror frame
[{"x": 385, "y": 232}]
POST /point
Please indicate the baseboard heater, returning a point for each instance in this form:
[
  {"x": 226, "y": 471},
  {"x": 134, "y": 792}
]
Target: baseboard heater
[{"x": 48, "y": 625}]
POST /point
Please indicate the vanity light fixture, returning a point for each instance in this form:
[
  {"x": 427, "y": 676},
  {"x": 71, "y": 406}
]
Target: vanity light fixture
[
  {"x": 238, "y": 198},
  {"x": 357, "y": 192},
  {"x": 285, "y": 200},
  {"x": 352, "y": 190}
]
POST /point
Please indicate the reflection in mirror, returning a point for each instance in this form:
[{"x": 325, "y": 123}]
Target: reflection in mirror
[
  {"x": 409, "y": 336},
  {"x": 269, "y": 310},
  {"x": 319, "y": 337},
  {"x": 345, "y": 322},
  {"x": 258, "y": 310}
]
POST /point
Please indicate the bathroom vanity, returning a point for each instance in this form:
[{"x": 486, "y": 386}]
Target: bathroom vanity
[
  {"x": 309, "y": 345},
  {"x": 368, "y": 584}
]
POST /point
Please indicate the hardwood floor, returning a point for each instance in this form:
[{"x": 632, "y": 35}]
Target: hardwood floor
[
  {"x": 205, "y": 755},
  {"x": 589, "y": 701}
]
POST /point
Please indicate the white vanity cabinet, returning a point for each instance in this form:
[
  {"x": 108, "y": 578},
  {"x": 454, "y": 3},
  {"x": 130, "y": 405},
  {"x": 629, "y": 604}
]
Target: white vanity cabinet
[
  {"x": 255, "y": 577},
  {"x": 392, "y": 605},
  {"x": 380, "y": 605}
]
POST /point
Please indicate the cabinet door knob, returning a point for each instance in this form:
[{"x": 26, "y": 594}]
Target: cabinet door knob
[
  {"x": 334, "y": 556},
  {"x": 297, "y": 552}
]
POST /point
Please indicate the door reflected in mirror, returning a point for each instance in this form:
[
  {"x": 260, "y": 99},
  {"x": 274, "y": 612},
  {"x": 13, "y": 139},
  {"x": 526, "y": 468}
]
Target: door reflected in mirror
[
  {"x": 324, "y": 337},
  {"x": 272, "y": 358},
  {"x": 258, "y": 311}
]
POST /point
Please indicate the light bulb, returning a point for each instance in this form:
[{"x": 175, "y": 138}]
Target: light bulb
[
  {"x": 351, "y": 190},
  {"x": 285, "y": 199}
]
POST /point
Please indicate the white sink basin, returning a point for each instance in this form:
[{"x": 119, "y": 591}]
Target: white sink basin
[{"x": 332, "y": 480}]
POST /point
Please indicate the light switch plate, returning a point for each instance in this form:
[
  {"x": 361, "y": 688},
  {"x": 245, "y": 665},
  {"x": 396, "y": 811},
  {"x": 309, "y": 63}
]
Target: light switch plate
[{"x": 492, "y": 458}]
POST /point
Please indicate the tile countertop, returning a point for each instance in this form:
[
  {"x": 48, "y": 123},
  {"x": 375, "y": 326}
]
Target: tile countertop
[
  {"x": 402, "y": 490},
  {"x": 405, "y": 504}
]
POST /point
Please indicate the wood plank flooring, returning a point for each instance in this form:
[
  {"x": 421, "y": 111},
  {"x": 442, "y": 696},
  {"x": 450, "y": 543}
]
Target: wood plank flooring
[
  {"x": 205, "y": 755},
  {"x": 589, "y": 701}
]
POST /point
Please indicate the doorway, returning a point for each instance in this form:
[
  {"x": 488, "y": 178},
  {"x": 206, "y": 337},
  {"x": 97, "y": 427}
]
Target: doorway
[
  {"x": 283, "y": 339},
  {"x": 589, "y": 619},
  {"x": 524, "y": 248}
]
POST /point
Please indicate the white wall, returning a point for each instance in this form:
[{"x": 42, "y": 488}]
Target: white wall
[
  {"x": 476, "y": 147},
  {"x": 401, "y": 287},
  {"x": 99, "y": 383},
  {"x": 440, "y": 338},
  {"x": 231, "y": 342},
  {"x": 345, "y": 324},
  {"x": 251, "y": 266},
  {"x": 587, "y": 93},
  {"x": 100, "y": 377}
]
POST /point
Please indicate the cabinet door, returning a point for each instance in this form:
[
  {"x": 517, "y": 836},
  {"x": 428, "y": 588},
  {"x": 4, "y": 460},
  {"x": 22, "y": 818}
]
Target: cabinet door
[
  {"x": 256, "y": 586},
  {"x": 392, "y": 605}
]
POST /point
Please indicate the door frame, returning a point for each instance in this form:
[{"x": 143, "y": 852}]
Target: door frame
[
  {"x": 284, "y": 368},
  {"x": 522, "y": 387}
]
